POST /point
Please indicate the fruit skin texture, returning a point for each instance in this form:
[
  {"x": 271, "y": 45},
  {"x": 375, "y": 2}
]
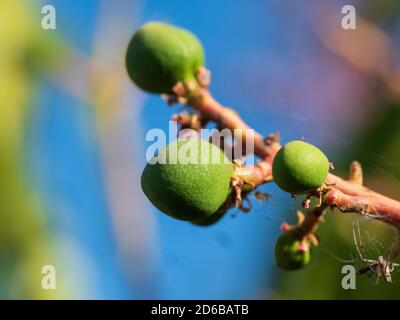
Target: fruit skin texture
[
  {"x": 300, "y": 167},
  {"x": 159, "y": 55},
  {"x": 287, "y": 254},
  {"x": 190, "y": 191}
]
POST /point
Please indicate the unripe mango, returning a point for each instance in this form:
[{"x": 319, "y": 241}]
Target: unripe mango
[
  {"x": 159, "y": 55},
  {"x": 188, "y": 191},
  {"x": 300, "y": 167},
  {"x": 287, "y": 253}
]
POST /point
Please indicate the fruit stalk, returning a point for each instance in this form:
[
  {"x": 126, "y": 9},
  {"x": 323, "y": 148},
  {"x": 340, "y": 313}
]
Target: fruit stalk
[{"x": 313, "y": 220}]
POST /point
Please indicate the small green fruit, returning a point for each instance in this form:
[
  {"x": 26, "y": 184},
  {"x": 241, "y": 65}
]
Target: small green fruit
[
  {"x": 159, "y": 55},
  {"x": 287, "y": 253},
  {"x": 300, "y": 167},
  {"x": 188, "y": 191}
]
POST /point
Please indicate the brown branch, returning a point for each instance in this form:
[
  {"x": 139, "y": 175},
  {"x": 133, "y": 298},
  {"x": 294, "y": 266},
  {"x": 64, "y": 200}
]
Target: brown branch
[
  {"x": 372, "y": 204},
  {"x": 201, "y": 100},
  {"x": 313, "y": 220},
  {"x": 346, "y": 195}
]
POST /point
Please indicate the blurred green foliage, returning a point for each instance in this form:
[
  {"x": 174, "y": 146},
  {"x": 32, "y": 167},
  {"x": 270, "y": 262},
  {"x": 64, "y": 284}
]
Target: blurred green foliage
[
  {"x": 385, "y": 14},
  {"x": 25, "y": 243}
]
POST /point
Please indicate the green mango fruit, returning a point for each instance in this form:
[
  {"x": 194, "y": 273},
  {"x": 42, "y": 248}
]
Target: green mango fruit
[
  {"x": 188, "y": 180},
  {"x": 159, "y": 55},
  {"x": 300, "y": 167},
  {"x": 287, "y": 254}
]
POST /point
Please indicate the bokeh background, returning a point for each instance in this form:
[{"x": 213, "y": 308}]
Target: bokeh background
[{"x": 72, "y": 146}]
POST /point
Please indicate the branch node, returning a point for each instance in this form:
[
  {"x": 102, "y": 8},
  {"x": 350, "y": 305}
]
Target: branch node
[
  {"x": 272, "y": 139},
  {"x": 203, "y": 77},
  {"x": 356, "y": 173},
  {"x": 189, "y": 121}
]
